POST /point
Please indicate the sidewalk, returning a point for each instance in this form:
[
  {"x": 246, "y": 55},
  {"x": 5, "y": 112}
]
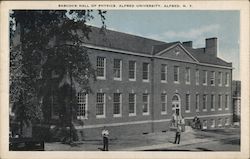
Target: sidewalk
[{"x": 143, "y": 142}]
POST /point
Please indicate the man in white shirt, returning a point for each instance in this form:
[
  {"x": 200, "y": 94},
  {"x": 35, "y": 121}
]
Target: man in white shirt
[
  {"x": 178, "y": 123},
  {"x": 105, "y": 135}
]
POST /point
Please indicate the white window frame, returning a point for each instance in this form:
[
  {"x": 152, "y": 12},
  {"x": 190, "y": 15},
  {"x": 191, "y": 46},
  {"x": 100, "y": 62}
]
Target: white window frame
[
  {"x": 204, "y": 124},
  {"x": 134, "y": 70},
  {"x": 187, "y": 96},
  {"x": 197, "y": 101},
  {"x": 220, "y": 122},
  {"x": 205, "y": 77},
  {"x": 145, "y": 80},
  {"x": 187, "y": 75},
  {"x": 164, "y": 102},
  {"x": 81, "y": 117},
  {"x": 220, "y": 79},
  {"x": 220, "y": 102},
  {"x": 227, "y": 79},
  {"x": 227, "y": 101},
  {"x": 145, "y": 113},
  {"x": 227, "y": 122},
  {"x": 204, "y": 109},
  {"x": 120, "y": 105},
  {"x": 197, "y": 77},
  {"x": 212, "y": 102},
  {"x": 165, "y": 73},
  {"x": 132, "y": 114},
  {"x": 104, "y": 68},
  {"x": 104, "y": 106},
  {"x": 120, "y": 64},
  {"x": 178, "y": 74},
  {"x": 212, "y": 123},
  {"x": 212, "y": 78}
]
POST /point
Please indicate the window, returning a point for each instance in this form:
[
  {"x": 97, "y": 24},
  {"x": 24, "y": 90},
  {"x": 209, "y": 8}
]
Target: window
[
  {"x": 212, "y": 101},
  {"x": 220, "y": 122},
  {"x": 212, "y": 123},
  {"x": 197, "y": 77},
  {"x": 227, "y": 101},
  {"x": 212, "y": 78},
  {"x": 176, "y": 74},
  {"x": 101, "y": 67},
  {"x": 145, "y": 71},
  {"x": 163, "y": 103},
  {"x": 117, "y": 70},
  {"x": 227, "y": 121},
  {"x": 132, "y": 104},
  {"x": 220, "y": 79},
  {"x": 117, "y": 104},
  {"x": 204, "y": 105},
  {"x": 204, "y": 124},
  {"x": 145, "y": 108},
  {"x": 204, "y": 77},
  {"x": 82, "y": 105},
  {"x": 219, "y": 101},
  {"x": 187, "y": 103},
  {"x": 163, "y": 73},
  {"x": 227, "y": 79},
  {"x": 100, "y": 105},
  {"x": 197, "y": 102},
  {"x": 187, "y": 75},
  {"x": 132, "y": 70}
]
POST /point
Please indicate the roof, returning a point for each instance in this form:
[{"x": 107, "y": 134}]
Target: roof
[
  {"x": 202, "y": 57},
  {"x": 123, "y": 41},
  {"x": 128, "y": 42}
]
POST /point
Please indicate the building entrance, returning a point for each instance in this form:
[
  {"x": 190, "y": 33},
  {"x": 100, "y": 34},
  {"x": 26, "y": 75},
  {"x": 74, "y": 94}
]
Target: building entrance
[{"x": 176, "y": 104}]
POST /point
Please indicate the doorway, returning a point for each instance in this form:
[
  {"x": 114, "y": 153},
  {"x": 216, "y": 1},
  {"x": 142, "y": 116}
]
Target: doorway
[{"x": 176, "y": 104}]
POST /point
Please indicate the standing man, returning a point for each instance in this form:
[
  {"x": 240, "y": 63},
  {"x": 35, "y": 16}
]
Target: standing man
[
  {"x": 178, "y": 134},
  {"x": 105, "y": 135},
  {"x": 177, "y": 123}
]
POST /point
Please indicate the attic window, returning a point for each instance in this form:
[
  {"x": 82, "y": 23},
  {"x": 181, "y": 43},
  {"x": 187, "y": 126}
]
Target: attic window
[{"x": 177, "y": 52}]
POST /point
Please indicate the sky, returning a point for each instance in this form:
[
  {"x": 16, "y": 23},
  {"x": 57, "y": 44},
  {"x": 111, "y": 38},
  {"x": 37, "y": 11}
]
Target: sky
[{"x": 169, "y": 26}]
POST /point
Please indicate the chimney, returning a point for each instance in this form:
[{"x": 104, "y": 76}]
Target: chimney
[
  {"x": 188, "y": 43},
  {"x": 211, "y": 46}
]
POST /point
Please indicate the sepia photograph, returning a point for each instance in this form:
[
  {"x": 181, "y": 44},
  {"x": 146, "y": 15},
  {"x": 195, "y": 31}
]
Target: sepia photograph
[{"x": 125, "y": 80}]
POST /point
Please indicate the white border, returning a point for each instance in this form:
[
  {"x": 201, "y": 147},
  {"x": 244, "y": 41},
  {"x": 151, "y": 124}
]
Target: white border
[{"x": 243, "y": 6}]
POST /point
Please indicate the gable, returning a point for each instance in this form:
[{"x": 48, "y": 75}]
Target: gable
[{"x": 177, "y": 52}]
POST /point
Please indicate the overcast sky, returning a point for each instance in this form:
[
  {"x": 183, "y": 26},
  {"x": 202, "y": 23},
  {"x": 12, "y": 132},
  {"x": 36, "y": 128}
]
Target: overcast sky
[{"x": 181, "y": 26}]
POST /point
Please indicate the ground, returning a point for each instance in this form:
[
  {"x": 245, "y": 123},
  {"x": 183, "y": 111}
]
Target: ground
[{"x": 223, "y": 139}]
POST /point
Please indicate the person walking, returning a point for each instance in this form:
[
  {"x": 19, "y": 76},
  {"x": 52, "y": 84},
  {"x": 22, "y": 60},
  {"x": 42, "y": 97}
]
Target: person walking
[
  {"x": 105, "y": 136},
  {"x": 178, "y": 134}
]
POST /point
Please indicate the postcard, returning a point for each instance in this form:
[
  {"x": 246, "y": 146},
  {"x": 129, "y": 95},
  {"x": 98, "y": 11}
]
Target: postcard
[{"x": 123, "y": 79}]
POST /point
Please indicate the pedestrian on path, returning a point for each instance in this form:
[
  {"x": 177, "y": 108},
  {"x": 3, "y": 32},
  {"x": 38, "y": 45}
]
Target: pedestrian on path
[
  {"x": 178, "y": 134},
  {"x": 105, "y": 136},
  {"x": 179, "y": 122}
]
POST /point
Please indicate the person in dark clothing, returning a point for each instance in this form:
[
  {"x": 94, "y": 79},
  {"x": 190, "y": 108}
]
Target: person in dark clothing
[
  {"x": 178, "y": 134},
  {"x": 105, "y": 136}
]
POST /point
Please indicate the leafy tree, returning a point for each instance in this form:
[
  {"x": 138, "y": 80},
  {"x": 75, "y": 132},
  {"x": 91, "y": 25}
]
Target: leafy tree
[{"x": 47, "y": 54}]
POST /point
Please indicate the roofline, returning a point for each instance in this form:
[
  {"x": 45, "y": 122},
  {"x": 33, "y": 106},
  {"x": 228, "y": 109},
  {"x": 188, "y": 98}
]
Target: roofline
[
  {"x": 174, "y": 45},
  {"x": 130, "y": 34},
  {"x": 149, "y": 56}
]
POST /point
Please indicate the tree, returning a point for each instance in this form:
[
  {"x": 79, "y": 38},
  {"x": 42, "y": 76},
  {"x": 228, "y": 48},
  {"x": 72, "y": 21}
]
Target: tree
[{"x": 48, "y": 52}]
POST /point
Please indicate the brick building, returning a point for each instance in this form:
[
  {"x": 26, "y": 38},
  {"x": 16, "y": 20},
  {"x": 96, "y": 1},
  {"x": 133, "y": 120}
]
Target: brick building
[
  {"x": 236, "y": 88},
  {"x": 141, "y": 82}
]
